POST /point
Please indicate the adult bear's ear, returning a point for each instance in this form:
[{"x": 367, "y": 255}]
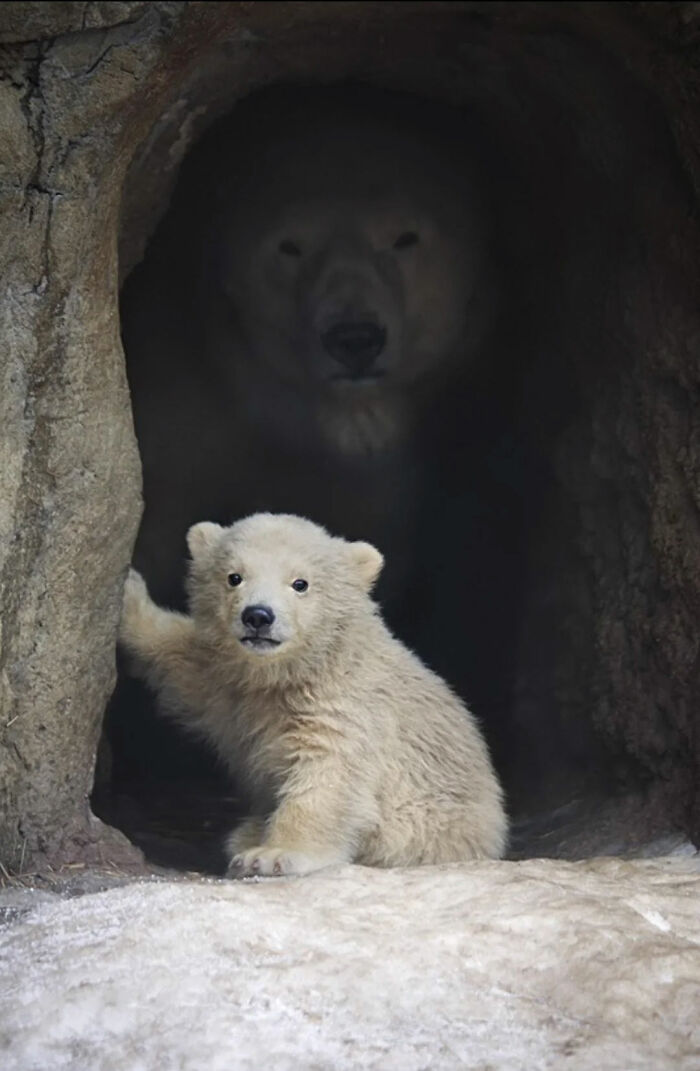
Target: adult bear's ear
[
  {"x": 368, "y": 562},
  {"x": 202, "y": 536}
]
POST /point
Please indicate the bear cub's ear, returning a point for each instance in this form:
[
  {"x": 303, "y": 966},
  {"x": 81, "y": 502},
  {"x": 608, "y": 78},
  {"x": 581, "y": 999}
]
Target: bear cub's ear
[
  {"x": 202, "y": 536},
  {"x": 368, "y": 562}
]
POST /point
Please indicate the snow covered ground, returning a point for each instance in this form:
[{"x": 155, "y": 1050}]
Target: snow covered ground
[{"x": 519, "y": 965}]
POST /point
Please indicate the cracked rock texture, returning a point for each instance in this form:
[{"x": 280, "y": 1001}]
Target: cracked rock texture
[{"x": 98, "y": 104}]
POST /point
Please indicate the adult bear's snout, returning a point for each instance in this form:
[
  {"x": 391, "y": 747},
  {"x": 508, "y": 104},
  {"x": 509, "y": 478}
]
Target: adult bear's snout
[{"x": 355, "y": 346}]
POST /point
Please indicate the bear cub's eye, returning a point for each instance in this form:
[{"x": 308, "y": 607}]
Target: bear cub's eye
[
  {"x": 290, "y": 249},
  {"x": 300, "y": 585},
  {"x": 404, "y": 241},
  {"x": 234, "y": 579}
]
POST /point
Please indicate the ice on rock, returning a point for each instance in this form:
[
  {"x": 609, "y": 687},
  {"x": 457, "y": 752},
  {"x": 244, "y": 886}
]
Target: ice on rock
[{"x": 536, "y": 964}]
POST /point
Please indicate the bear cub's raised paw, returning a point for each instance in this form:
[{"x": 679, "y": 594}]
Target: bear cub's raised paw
[{"x": 135, "y": 594}]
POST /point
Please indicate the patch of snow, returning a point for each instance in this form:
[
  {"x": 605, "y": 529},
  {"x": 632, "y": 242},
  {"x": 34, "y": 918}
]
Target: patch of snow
[{"x": 511, "y": 965}]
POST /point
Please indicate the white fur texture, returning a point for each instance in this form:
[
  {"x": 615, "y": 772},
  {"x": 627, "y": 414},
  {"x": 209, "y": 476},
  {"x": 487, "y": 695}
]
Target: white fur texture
[{"x": 351, "y": 748}]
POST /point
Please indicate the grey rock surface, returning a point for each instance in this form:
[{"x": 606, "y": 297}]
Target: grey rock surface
[
  {"x": 39, "y": 21},
  {"x": 70, "y": 495}
]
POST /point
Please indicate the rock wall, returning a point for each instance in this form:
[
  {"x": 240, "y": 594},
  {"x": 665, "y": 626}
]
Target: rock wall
[{"x": 70, "y": 469}]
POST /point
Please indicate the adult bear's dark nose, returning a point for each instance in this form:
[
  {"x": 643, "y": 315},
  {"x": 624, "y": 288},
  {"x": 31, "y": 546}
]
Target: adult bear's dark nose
[
  {"x": 354, "y": 345},
  {"x": 257, "y": 616}
]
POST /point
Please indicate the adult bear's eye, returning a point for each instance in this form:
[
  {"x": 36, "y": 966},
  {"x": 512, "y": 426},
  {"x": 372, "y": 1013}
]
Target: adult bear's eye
[
  {"x": 234, "y": 579},
  {"x": 290, "y": 249},
  {"x": 404, "y": 241},
  {"x": 300, "y": 585}
]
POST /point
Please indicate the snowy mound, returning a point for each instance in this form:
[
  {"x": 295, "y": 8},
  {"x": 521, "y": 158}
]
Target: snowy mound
[{"x": 536, "y": 964}]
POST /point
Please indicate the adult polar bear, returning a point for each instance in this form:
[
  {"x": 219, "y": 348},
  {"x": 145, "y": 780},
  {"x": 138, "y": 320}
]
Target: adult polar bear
[
  {"x": 354, "y": 257},
  {"x": 322, "y": 277}
]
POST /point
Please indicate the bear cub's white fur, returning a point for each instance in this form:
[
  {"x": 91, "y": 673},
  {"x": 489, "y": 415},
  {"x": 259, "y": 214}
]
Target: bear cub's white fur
[{"x": 351, "y": 748}]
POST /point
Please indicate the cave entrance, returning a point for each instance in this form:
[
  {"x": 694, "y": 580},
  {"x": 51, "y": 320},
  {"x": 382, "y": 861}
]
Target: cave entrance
[{"x": 504, "y": 504}]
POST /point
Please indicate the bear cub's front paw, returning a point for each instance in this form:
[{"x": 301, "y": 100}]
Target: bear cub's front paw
[
  {"x": 275, "y": 863},
  {"x": 134, "y": 601}
]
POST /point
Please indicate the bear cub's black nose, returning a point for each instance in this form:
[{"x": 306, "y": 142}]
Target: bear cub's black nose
[{"x": 257, "y": 616}]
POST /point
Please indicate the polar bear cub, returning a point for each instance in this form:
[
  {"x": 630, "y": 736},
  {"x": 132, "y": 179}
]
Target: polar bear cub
[{"x": 351, "y": 748}]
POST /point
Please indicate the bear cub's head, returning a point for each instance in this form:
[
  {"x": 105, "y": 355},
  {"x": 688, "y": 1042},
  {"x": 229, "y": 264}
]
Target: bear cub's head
[{"x": 274, "y": 586}]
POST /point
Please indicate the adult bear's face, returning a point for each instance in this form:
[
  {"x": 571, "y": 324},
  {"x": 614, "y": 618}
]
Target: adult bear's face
[{"x": 354, "y": 265}]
